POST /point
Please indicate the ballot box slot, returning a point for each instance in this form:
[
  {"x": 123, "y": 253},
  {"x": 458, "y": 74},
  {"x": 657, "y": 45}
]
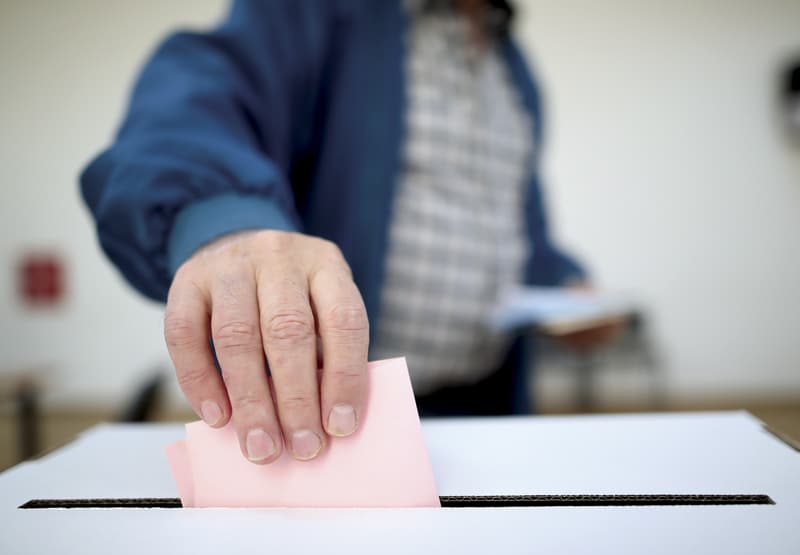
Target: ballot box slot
[
  {"x": 453, "y": 501},
  {"x": 601, "y": 500},
  {"x": 124, "y": 503}
]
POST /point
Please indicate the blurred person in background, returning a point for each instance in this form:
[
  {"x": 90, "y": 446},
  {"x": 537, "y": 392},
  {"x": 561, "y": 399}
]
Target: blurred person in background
[{"x": 312, "y": 167}]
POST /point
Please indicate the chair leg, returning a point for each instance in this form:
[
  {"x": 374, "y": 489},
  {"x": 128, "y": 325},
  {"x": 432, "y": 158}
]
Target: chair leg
[
  {"x": 586, "y": 366},
  {"x": 28, "y": 421}
]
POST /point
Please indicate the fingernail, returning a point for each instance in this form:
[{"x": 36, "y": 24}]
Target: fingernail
[
  {"x": 305, "y": 444},
  {"x": 342, "y": 420},
  {"x": 210, "y": 412},
  {"x": 259, "y": 445}
]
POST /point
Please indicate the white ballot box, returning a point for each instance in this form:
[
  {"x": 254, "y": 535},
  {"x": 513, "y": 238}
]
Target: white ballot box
[{"x": 672, "y": 483}]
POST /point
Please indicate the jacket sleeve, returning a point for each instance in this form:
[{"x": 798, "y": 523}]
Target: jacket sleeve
[
  {"x": 548, "y": 265},
  {"x": 214, "y": 123}
]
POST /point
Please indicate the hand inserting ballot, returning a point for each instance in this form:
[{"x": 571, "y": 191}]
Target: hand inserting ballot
[{"x": 284, "y": 296}]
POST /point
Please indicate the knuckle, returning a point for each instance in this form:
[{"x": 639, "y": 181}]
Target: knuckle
[
  {"x": 329, "y": 248},
  {"x": 346, "y": 378},
  {"x": 180, "y": 332},
  {"x": 290, "y": 326},
  {"x": 187, "y": 283},
  {"x": 331, "y": 254},
  {"x": 185, "y": 273},
  {"x": 179, "y": 277},
  {"x": 275, "y": 241},
  {"x": 348, "y": 318},
  {"x": 232, "y": 289},
  {"x": 233, "y": 245},
  {"x": 192, "y": 378},
  {"x": 247, "y": 401},
  {"x": 297, "y": 403},
  {"x": 237, "y": 336}
]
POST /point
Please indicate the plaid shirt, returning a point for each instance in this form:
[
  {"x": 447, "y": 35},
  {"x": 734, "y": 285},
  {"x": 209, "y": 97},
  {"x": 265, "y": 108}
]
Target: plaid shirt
[{"x": 457, "y": 236}]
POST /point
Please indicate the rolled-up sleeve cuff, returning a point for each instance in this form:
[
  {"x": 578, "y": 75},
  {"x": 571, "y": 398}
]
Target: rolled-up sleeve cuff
[{"x": 205, "y": 220}]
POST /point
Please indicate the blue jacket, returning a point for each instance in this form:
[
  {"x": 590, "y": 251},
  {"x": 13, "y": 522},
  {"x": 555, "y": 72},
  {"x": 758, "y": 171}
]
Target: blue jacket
[{"x": 289, "y": 115}]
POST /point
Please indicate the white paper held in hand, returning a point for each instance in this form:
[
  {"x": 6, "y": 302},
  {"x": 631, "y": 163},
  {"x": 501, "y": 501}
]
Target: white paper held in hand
[{"x": 556, "y": 309}]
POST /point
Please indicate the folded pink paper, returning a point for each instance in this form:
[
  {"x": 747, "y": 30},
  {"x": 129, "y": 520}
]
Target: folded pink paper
[{"x": 383, "y": 464}]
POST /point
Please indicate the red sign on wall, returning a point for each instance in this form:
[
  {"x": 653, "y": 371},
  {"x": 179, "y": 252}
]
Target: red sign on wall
[{"x": 40, "y": 279}]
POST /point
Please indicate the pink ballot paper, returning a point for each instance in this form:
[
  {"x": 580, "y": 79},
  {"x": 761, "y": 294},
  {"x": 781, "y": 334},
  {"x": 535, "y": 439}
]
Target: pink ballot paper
[{"x": 383, "y": 464}]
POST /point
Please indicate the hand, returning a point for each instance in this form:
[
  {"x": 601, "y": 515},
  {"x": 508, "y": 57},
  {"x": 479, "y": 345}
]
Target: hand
[
  {"x": 600, "y": 333},
  {"x": 277, "y": 294},
  {"x": 592, "y": 337}
]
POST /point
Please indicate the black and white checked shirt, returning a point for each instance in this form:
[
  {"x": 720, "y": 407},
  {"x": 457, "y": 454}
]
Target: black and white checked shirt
[{"x": 457, "y": 236}]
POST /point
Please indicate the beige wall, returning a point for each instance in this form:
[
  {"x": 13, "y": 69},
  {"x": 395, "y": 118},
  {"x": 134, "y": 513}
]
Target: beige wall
[
  {"x": 670, "y": 173},
  {"x": 66, "y": 68},
  {"x": 666, "y": 167}
]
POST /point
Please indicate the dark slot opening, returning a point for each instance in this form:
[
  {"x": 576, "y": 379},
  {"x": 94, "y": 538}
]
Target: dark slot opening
[
  {"x": 140, "y": 503},
  {"x": 600, "y": 500},
  {"x": 455, "y": 501}
]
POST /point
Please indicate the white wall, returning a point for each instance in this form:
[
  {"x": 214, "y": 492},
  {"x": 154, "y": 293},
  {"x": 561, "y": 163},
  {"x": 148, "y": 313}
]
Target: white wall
[
  {"x": 66, "y": 68},
  {"x": 670, "y": 174},
  {"x": 667, "y": 173}
]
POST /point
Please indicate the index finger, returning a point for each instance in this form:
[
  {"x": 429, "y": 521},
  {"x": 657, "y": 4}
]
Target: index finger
[{"x": 186, "y": 330}]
